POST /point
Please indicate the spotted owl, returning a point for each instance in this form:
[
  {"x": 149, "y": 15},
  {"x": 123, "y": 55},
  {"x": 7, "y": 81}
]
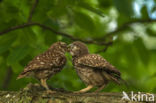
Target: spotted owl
[
  {"x": 47, "y": 64},
  {"x": 92, "y": 69}
]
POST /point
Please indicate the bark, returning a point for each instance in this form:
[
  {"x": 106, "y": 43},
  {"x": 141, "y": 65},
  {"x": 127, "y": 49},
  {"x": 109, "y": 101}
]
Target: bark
[{"x": 36, "y": 94}]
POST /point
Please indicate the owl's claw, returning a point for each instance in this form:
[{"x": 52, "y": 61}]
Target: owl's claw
[
  {"x": 85, "y": 89},
  {"x": 50, "y": 92}
]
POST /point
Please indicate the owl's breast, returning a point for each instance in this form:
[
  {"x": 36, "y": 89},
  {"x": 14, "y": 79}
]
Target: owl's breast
[{"x": 90, "y": 77}]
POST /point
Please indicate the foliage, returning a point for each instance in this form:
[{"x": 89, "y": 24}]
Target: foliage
[{"x": 133, "y": 50}]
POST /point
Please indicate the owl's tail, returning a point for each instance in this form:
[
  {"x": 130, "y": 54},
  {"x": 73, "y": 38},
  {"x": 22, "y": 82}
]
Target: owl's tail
[
  {"x": 22, "y": 75},
  {"x": 111, "y": 77},
  {"x": 111, "y": 69},
  {"x": 115, "y": 78}
]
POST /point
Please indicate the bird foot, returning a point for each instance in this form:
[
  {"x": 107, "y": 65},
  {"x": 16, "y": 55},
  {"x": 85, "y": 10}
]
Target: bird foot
[
  {"x": 85, "y": 89},
  {"x": 50, "y": 92}
]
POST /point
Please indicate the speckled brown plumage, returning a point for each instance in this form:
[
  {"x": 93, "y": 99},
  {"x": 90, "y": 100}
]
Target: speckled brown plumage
[
  {"x": 92, "y": 69},
  {"x": 46, "y": 64}
]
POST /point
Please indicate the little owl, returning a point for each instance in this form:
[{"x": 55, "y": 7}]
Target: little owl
[
  {"x": 92, "y": 69},
  {"x": 47, "y": 64}
]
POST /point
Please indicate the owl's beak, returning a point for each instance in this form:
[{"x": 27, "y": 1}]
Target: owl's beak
[{"x": 69, "y": 47}]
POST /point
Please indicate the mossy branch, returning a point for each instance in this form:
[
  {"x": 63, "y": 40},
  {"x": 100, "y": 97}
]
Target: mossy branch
[{"x": 36, "y": 94}]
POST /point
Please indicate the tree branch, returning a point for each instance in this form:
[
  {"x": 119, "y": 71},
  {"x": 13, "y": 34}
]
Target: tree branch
[
  {"x": 93, "y": 41},
  {"x": 63, "y": 97},
  {"x": 124, "y": 26},
  {"x": 32, "y": 10},
  {"x": 52, "y": 30},
  {"x": 16, "y": 28},
  {"x": 98, "y": 41},
  {"x": 34, "y": 93}
]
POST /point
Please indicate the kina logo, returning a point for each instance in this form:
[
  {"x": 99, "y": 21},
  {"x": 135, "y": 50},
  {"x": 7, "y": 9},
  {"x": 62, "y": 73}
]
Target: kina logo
[{"x": 138, "y": 96}]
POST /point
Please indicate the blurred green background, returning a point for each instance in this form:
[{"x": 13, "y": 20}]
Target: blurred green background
[{"x": 133, "y": 50}]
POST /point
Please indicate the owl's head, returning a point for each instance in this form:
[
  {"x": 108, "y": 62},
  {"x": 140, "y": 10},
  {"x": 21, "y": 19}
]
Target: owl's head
[
  {"x": 59, "y": 46},
  {"x": 78, "y": 49}
]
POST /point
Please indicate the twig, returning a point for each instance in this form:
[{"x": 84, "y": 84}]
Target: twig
[
  {"x": 32, "y": 10},
  {"x": 106, "y": 47}
]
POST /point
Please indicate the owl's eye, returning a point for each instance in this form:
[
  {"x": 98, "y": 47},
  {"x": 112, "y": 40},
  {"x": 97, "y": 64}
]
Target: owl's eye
[{"x": 74, "y": 48}]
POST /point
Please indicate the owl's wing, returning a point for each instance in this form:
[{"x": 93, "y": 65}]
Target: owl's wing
[
  {"x": 47, "y": 60},
  {"x": 97, "y": 62}
]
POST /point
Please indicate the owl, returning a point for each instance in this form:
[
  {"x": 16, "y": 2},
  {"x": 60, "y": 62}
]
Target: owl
[
  {"x": 47, "y": 64},
  {"x": 92, "y": 69}
]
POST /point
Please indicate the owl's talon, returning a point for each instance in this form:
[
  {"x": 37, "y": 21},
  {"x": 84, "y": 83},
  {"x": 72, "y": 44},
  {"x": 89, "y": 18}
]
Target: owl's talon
[
  {"x": 85, "y": 89},
  {"x": 50, "y": 92}
]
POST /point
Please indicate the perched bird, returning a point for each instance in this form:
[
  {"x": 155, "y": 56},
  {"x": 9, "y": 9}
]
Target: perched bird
[
  {"x": 92, "y": 69},
  {"x": 46, "y": 64}
]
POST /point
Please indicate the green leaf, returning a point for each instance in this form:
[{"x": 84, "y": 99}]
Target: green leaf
[
  {"x": 17, "y": 54},
  {"x": 153, "y": 9},
  {"x": 50, "y": 38},
  {"x": 24, "y": 8},
  {"x": 26, "y": 36},
  {"x": 6, "y": 42},
  {"x": 42, "y": 10},
  {"x": 131, "y": 55},
  {"x": 123, "y": 19},
  {"x": 9, "y": 11},
  {"x": 17, "y": 67},
  {"x": 151, "y": 32},
  {"x": 105, "y": 3},
  {"x": 84, "y": 21},
  {"x": 90, "y": 8},
  {"x": 56, "y": 12},
  {"x": 142, "y": 51},
  {"x": 124, "y": 7}
]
